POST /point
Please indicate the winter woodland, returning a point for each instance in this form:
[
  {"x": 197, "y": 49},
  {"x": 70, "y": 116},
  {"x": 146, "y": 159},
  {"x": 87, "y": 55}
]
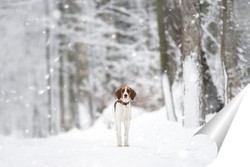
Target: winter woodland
[{"x": 62, "y": 60}]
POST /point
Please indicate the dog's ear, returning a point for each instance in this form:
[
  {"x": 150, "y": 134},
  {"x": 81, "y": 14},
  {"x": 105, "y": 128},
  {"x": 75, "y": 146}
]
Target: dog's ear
[
  {"x": 118, "y": 93},
  {"x": 133, "y": 94}
]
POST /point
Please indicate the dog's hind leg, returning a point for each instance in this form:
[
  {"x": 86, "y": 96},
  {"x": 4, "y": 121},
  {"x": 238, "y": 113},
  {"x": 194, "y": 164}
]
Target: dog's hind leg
[
  {"x": 118, "y": 134},
  {"x": 126, "y": 133}
]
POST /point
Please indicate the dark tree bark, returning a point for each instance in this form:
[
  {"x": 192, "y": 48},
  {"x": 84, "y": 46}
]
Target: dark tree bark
[
  {"x": 167, "y": 63},
  {"x": 173, "y": 20},
  {"x": 231, "y": 57},
  {"x": 61, "y": 93},
  {"x": 61, "y": 70}
]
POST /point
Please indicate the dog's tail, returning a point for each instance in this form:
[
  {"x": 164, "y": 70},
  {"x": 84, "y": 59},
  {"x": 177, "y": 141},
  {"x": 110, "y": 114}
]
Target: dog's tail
[
  {"x": 114, "y": 113},
  {"x": 115, "y": 106}
]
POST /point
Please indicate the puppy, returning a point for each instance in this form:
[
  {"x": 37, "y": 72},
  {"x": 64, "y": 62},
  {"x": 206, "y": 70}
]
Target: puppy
[{"x": 122, "y": 113}]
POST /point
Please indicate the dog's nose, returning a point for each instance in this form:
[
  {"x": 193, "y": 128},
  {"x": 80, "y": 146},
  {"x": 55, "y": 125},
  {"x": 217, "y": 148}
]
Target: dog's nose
[{"x": 125, "y": 95}]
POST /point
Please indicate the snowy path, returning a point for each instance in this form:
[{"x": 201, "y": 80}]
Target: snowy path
[{"x": 153, "y": 142}]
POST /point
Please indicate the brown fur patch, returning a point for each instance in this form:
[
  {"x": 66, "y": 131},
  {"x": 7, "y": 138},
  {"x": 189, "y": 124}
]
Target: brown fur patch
[
  {"x": 131, "y": 93},
  {"x": 118, "y": 93}
]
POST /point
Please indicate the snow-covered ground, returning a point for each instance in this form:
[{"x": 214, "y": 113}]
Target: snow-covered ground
[{"x": 153, "y": 142}]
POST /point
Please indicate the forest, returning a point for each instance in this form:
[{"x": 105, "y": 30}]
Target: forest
[{"x": 63, "y": 60}]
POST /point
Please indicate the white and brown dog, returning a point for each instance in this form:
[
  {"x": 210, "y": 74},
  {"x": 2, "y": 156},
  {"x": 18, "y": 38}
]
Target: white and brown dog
[{"x": 122, "y": 113}]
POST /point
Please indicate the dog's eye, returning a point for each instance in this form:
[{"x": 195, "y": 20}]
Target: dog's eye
[
  {"x": 123, "y": 90},
  {"x": 128, "y": 91}
]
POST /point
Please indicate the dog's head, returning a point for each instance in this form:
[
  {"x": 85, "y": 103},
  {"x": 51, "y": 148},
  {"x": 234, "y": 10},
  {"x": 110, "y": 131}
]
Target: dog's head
[{"x": 125, "y": 94}]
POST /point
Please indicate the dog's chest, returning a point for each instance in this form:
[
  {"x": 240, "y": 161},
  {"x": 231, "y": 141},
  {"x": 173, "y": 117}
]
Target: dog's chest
[{"x": 123, "y": 111}]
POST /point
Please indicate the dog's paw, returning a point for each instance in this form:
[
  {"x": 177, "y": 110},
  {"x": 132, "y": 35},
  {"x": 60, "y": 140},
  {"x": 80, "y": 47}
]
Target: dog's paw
[
  {"x": 126, "y": 145},
  {"x": 119, "y": 145}
]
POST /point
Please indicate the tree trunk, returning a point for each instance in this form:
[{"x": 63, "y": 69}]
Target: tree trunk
[
  {"x": 166, "y": 64},
  {"x": 74, "y": 54},
  {"x": 61, "y": 70},
  {"x": 47, "y": 40},
  {"x": 223, "y": 51},
  {"x": 193, "y": 87},
  {"x": 61, "y": 92},
  {"x": 72, "y": 91},
  {"x": 231, "y": 57},
  {"x": 173, "y": 20}
]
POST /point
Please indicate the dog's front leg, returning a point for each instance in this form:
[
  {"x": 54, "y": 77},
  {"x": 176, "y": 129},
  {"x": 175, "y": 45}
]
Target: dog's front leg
[
  {"x": 118, "y": 133},
  {"x": 126, "y": 126}
]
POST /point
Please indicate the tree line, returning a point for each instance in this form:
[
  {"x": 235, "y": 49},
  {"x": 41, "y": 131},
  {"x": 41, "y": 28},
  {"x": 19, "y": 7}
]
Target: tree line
[
  {"x": 191, "y": 56},
  {"x": 207, "y": 33}
]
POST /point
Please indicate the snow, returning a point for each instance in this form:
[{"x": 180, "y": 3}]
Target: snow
[
  {"x": 168, "y": 98},
  {"x": 192, "y": 91},
  {"x": 153, "y": 142}
]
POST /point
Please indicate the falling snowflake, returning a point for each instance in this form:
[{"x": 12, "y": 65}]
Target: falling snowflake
[
  {"x": 47, "y": 76},
  {"x": 41, "y": 92},
  {"x": 66, "y": 6}
]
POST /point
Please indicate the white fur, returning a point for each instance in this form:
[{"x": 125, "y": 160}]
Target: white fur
[
  {"x": 122, "y": 114},
  {"x": 126, "y": 100}
]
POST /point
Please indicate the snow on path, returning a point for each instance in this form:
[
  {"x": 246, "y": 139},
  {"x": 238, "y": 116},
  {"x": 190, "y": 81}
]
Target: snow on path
[{"x": 153, "y": 142}]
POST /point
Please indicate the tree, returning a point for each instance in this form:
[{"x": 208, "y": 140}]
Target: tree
[
  {"x": 71, "y": 51},
  {"x": 172, "y": 16},
  {"x": 167, "y": 63},
  {"x": 242, "y": 40},
  {"x": 233, "y": 83},
  {"x": 223, "y": 51},
  {"x": 193, "y": 88},
  {"x": 48, "y": 77},
  {"x": 211, "y": 28},
  {"x": 124, "y": 33}
]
